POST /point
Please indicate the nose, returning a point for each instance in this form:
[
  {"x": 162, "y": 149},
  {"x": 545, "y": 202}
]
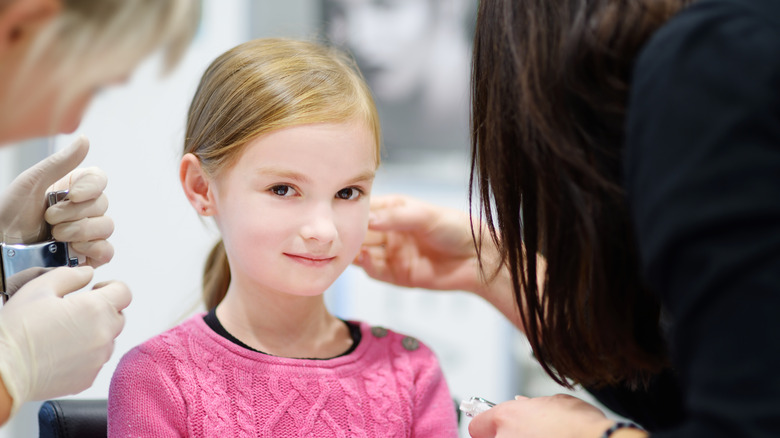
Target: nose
[{"x": 320, "y": 224}]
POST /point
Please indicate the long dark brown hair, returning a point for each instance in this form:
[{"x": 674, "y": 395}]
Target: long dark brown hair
[{"x": 549, "y": 92}]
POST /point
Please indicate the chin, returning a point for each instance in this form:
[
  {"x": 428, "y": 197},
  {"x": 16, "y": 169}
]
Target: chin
[
  {"x": 69, "y": 127},
  {"x": 313, "y": 291},
  {"x": 310, "y": 293}
]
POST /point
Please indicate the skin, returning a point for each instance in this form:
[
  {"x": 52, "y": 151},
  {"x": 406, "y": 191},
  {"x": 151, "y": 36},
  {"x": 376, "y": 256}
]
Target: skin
[
  {"x": 5, "y": 403},
  {"x": 293, "y": 213},
  {"x": 415, "y": 244},
  {"x": 29, "y": 106},
  {"x": 23, "y": 117},
  {"x": 545, "y": 417},
  {"x": 15, "y": 19}
]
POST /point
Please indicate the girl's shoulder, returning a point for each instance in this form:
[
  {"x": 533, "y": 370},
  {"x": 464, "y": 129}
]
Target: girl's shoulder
[
  {"x": 382, "y": 339},
  {"x": 167, "y": 347}
]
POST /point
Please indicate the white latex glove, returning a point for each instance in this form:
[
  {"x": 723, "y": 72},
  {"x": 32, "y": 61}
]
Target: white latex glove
[
  {"x": 53, "y": 344},
  {"x": 79, "y": 219}
]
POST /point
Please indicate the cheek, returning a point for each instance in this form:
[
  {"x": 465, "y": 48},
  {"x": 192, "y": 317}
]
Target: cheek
[
  {"x": 354, "y": 228},
  {"x": 71, "y": 118},
  {"x": 251, "y": 245}
]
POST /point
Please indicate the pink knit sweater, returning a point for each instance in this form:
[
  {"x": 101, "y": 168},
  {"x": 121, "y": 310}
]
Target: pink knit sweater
[{"x": 190, "y": 381}]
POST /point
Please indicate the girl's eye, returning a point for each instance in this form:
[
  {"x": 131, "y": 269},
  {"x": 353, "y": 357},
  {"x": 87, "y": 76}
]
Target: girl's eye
[
  {"x": 348, "y": 193},
  {"x": 282, "y": 190}
]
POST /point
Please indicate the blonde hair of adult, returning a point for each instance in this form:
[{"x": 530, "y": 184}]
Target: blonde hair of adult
[
  {"x": 259, "y": 87},
  {"x": 92, "y": 40}
]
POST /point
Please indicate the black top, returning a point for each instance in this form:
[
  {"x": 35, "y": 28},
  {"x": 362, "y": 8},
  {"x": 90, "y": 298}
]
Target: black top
[
  {"x": 703, "y": 182},
  {"x": 212, "y": 321}
]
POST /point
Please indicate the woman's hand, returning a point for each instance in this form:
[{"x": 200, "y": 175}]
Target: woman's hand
[
  {"x": 559, "y": 416},
  {"x": 415, "y": 244}
]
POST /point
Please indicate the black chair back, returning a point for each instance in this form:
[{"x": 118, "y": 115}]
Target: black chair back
[{"x": 73, "y": 418}]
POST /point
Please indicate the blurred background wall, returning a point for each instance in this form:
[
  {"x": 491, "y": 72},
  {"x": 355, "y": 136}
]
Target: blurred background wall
[{"x": 415, "y": 55}]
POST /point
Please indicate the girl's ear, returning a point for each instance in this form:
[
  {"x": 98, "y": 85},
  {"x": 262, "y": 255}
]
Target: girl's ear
[{"x": 196, "y": 185}]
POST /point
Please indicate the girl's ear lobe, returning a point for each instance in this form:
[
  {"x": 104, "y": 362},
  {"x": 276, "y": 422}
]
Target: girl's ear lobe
[{"x": 196, "y": 185}]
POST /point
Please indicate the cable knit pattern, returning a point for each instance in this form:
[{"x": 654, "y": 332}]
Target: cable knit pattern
[{"x": 190, "y": 381}]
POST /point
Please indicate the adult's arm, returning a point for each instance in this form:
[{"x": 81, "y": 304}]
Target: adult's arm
[{"x": 703, "y": 179}]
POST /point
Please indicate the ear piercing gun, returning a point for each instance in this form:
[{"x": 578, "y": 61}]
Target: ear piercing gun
[{"x": 475, "y": 405}]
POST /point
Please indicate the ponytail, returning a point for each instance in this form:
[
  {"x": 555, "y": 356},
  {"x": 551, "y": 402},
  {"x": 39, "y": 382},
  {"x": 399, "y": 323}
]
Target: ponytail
[{"x": 216, "y": 276}]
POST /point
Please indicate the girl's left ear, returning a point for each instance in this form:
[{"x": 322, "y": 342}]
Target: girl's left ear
[{"x": 196, "y": 185}]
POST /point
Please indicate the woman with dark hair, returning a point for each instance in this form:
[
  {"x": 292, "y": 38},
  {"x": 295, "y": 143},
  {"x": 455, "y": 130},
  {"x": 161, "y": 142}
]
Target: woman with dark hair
[{"x": 632, "y": 148}]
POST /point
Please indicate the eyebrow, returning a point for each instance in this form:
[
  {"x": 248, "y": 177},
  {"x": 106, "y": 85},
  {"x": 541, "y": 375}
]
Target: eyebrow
[
  {"x": 299, "y": 177},
  {"x": 365, "y": 176},
  {"x": 282, "y": 173}
]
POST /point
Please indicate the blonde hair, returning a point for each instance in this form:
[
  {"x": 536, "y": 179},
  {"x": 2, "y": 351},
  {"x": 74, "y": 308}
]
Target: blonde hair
[
  {"x": 91, "y": 41},
  {"x": 259, "y": 87}
]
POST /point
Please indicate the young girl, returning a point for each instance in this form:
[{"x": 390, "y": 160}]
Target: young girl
[{"x": 281, "y": 148}]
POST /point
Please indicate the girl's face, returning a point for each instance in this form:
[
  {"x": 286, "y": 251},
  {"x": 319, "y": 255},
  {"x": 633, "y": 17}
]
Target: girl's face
[{"x": 293, "y": 209}]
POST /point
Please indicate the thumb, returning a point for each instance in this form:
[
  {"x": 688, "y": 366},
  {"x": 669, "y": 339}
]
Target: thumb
[
  {"x": 115, "y": 292},
  {"x": 62, "y": 281},
  {"x": 57, "y": 165},
  {"x": 483, "y": 425}
]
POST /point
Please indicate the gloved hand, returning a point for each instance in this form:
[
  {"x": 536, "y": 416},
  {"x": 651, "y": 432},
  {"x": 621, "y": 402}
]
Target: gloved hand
[
  {"x": 79, "y": 219},
  {"x": 53, "y": 344}
]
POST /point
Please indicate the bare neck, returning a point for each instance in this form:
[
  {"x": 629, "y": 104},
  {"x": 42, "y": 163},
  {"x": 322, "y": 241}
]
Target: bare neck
[{"x": 284, "y": 325}]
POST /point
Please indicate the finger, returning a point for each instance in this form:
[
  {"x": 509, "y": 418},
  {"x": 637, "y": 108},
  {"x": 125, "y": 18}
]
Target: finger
[
  {"x": 96, "y": 252},
  {"x": 374, "y": 263},
  {"x": 86, "y": 184},
  {"x": 53, "y": 168},
  {"x": 387, "y": 201},
  {"x": 395, "y": 219},
  {"x": 69, "y": 210},
  {"x": 64, "y": 280},
  {"x": 483, "y": 425},
  {"x": 115, "y": 292},
  {"x": 375, "y": 238},
  {"x": 18, "y": 280},
  {"x": 84, "y": 230},
  {"x": 398, "y": 213}
]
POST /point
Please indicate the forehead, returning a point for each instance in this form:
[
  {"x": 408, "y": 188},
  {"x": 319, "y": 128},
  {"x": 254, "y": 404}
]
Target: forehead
[{"x": 324, "y": 150}]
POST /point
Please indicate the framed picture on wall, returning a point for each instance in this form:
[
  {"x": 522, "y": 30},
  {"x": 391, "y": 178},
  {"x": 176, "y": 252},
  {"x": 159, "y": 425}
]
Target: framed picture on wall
[{"x": 415, "y": 56}]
